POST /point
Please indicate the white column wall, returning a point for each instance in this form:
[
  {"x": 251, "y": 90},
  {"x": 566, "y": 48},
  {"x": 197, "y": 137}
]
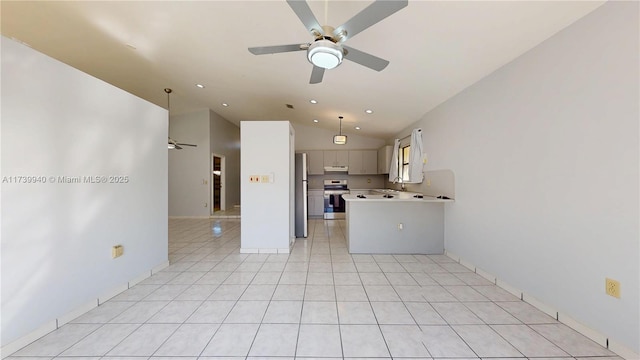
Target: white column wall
[{"x": 266, "y": 207}]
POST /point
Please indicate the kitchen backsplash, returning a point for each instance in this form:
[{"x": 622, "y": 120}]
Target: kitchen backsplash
[
  {"x": 355, "y": 181},
  {"x": 435, "y": 183}
]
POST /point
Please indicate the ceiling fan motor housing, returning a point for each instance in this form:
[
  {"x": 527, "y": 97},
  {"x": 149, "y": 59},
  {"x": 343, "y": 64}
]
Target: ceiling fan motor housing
[{"x": 325, "y": 54}]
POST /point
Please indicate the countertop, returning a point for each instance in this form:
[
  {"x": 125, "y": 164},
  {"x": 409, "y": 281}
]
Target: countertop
[{"x": 398, "y": 196}]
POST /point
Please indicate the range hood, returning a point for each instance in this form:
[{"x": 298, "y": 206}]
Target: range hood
[{"x": 336, "y": 169}]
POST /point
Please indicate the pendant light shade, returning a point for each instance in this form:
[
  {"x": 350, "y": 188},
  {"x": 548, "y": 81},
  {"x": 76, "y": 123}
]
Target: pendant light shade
[{"x": 340, "y": 139}]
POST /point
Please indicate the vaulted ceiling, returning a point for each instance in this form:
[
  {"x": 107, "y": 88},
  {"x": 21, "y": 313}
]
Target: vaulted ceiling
[{"x": 435, "y": 48}]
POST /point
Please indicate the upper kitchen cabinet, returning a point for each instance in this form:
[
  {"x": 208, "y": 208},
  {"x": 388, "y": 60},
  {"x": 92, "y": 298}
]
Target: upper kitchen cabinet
[
  {"x": 315, "y": 159},
  {"x": 384, "y": 159},
  {"x": 336, "y": 158},
  {"x": 363, "y": 162}
]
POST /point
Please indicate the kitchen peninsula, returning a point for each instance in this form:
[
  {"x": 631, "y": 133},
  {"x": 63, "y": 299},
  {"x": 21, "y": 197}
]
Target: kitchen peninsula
[{"x": 393, "y": 222}]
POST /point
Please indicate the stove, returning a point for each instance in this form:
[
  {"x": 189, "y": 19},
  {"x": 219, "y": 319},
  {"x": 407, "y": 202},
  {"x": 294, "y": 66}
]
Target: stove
[{"x": 334, "y": 204}]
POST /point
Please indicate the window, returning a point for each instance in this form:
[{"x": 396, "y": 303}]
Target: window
[{"x": 404, "y": 162}]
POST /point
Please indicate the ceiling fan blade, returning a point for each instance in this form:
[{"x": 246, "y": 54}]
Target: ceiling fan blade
[
  {"x": 261, "y": 50},
  {"x": 365, "y": 59},
  {"x": 303, "y": 11},
  {"x": 187, "y": 144},
  {"x": 369, "y": 16},
  {"x": 178, "y": 147},
  {"x": 316, "y": 75}
]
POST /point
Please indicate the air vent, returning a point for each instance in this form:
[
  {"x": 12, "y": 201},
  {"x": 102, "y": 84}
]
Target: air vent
[{"x": 289, "y": 106}]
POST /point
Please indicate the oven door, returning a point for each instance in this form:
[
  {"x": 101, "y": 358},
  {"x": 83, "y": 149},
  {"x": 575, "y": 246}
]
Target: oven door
[{"x": 334, "y": 205}]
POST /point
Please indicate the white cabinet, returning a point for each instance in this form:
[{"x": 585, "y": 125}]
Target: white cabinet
[
  {"x": 315, "y": 162},
  {"x": 363, "y": 162},
  {"x": 384, "y": 159},
  {"x": 316, "y": 203},
  {"x": 336, "y": 158}
]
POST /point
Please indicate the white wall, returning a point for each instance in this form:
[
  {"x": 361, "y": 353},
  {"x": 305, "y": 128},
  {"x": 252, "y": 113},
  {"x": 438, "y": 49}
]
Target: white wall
[
  {"x": 189, "y": 168},
  {"x": 315, "y": 138},
  {"x": 545, "y": 155},
  {"x": 267, "y": 219},
  {"x": 225, "y": 140},
  {"x": 57, "y": 237}
]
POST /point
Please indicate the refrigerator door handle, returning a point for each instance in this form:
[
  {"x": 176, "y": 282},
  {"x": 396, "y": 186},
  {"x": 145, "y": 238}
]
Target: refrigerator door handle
[{"x": 305, "y": 203}]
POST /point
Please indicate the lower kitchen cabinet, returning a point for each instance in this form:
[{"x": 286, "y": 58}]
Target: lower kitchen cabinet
[{"x": 316, "y": 203}]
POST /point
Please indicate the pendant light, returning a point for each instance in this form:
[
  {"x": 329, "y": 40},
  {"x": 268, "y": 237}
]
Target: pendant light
[{"x": 340, "y": 139}]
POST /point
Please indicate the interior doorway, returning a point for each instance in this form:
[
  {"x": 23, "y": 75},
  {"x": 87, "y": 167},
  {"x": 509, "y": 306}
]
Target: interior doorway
[{"x": 217, "y": 183}]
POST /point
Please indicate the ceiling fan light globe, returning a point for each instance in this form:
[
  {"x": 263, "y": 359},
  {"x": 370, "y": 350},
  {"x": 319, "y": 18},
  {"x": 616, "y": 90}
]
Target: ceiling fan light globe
[
  {"x": 325, "y": 54},
  {"x": 171, "y": 146}
]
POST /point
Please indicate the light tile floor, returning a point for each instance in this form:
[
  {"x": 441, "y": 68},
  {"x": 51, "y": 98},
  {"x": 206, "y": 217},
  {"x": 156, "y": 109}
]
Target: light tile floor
[
  {"x": 318, "y": 302},
  {"x": 232, "y": 213}
]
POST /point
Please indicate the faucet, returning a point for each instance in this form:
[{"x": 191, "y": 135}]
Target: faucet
[{"x": 399, "y": 179}]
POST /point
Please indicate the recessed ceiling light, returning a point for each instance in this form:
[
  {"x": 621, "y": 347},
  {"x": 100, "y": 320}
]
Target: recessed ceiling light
[
  {"x": 200, "y": 86},
  {"x": 313, "y": 101},
  {"x": 357, "y": 127},
  {"x": 369, "y": 111},
  {"x": 225, "y": 104},
  {"x": 316, "y": 120}
]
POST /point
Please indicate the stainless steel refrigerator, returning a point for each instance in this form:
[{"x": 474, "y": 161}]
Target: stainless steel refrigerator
[{"x": 302, "y": 207}]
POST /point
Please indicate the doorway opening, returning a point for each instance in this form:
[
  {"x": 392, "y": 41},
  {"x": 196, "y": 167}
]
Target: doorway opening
[{"x": 217, "y": 183}]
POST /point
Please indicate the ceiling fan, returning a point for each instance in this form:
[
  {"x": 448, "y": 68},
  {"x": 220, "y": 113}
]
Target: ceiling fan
[
  {"x": 327, "y": 50},
  {"x": 172, "y": 144}
]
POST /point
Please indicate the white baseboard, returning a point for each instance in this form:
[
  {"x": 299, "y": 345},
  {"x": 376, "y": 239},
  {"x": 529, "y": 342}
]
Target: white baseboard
[
  {"x": 542, "y": 306},
  {"x": 80, "y": 310},
  {"x": 18, "y": 344},
  {"x": 583, "y": 329},
  {"x": 468, "y": 265},
  {"x": 54, "y": 324},
  {"x": 189, "y": 217},
  {"x": 510, "y": 289},
  {"x": 112, "y": 293},
  {"x": 622, "y": 350},
  {"x": 145, "y": 275},
  {"x": 160, "y": 267},
  {"x": 486, "y": 275}
]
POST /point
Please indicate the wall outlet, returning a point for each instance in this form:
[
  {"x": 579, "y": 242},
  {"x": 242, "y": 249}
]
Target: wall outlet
[
  {"x": 264, "y": 178},
  {"x": 254, "y": 178},
  {"x": 612, "y": 287},
  {"x": 117, "y": 251},
  {"x": 428, "y": 182},
  {"x": 400, "y": 226}
]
